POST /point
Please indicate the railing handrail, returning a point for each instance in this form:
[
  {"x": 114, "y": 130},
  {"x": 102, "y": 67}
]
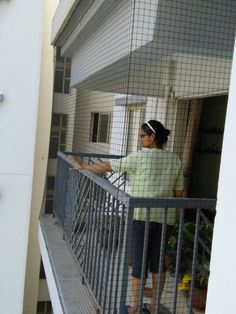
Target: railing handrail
[
  {"x": 129, "y": 200},
  {"x": 80, "y": 154},
  {"x": 97, "y": 219},
  {"x": 168, "y": 202}
]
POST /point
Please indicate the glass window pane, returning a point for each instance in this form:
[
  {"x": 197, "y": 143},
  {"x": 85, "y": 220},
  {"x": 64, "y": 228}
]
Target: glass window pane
[
  {"x": 67, "y": 86},
  {"x": 44, "y": 307},
  {"x": 62, "y": 147},
  {"x": 94, "y": 126},
  {"x": 68, "y": 70},
  {"x": 49, "y": 206},
  {"x": 63, "y": 137},
  {"x": 55, "y": 132},
  {"x": 40, "y": 307},
  {"x": 59, "y": 58},
  {"x": 49, "y": 307},
  {"x": 50, "y": 183},
  {"x": 60, "y": 65},
  {"x": 50, "y": 193},
  {"x": 53, "y": 148},
  {"x": 103, "y": 128},
  {"x": 64, "y": 121},
  {"x": 56, "y": 119},
  {"x": 58, "y": 51},
  {"x": 58, "y": 84}
]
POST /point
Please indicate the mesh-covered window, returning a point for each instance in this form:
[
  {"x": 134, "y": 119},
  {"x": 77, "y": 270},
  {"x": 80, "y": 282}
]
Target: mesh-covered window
[
  {"x": 100, "y": 127},
  {"x": 151, "y": 82},
  {"x": 58, "y": 134},
  {"x": 62, "y": 74},
  {"x": 44, "y": 307},
  {"x": 49, "y": 194}
]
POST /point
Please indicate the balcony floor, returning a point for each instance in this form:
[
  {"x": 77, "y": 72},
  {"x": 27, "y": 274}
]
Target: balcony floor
[{"x": 75, "y": 296}]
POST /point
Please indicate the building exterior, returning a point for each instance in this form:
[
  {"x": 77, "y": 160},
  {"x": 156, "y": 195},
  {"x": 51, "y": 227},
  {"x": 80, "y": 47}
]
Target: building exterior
[
  {"x": 132, "y": 61},
  {"x": 26, "y": 78}
]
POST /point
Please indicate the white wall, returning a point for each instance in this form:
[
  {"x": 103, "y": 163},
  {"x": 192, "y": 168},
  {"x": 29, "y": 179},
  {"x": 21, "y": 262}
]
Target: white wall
[
  {"x": 88, "y": 102},
  {"x": 40, "y": 160},
  {"x": 221, "y": 293},
  {"x": 21, "y": 26}
]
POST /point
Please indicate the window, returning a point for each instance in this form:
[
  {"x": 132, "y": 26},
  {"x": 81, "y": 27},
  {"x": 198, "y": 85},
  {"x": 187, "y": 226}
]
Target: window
[
  {"x": 136, "y": 116},
  {"x": 58, "y": 134},
  {"x": 100, "y": 127},
  {"x": 44, "y": 307},
  {"x": 62, "y": 73},
  {"x": 49, "y": 195}
]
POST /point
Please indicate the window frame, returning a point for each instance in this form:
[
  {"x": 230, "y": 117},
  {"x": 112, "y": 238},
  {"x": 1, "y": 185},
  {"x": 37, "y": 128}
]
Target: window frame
[
  {"x": 56, "y": 133},
  {"x": 61, "y": 64},
  {"x": 97, "y": 133},
  {"x": 49, "y": 194}
]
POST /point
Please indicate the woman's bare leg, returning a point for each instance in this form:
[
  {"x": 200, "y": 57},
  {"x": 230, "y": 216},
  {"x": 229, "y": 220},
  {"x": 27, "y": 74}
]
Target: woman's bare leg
[{"x": 155, "y": 278}]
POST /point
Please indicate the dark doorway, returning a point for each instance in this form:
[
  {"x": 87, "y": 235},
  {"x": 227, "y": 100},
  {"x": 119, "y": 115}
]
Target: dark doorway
[{"x": 207, "y": 151}]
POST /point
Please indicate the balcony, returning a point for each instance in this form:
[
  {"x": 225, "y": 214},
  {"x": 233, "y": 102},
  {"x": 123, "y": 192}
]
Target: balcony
[
  {"x": 87, "y": 244},
  {"x": 61, "y": 17}
]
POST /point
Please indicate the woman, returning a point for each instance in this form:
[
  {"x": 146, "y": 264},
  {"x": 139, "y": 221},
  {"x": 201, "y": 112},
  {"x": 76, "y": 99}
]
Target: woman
[{"x": 155, "y": 172}]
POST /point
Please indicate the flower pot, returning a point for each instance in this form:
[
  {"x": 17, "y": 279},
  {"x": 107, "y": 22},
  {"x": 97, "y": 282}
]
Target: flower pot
[{"x": 199, "y": 299}]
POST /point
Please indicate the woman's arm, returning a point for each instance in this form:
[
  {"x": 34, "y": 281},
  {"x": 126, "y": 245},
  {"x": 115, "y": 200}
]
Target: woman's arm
[{"x": 100, "y": 167}]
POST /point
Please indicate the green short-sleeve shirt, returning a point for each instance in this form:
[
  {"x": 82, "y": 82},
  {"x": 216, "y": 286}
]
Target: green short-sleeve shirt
[{"x": 154, "y": 173}]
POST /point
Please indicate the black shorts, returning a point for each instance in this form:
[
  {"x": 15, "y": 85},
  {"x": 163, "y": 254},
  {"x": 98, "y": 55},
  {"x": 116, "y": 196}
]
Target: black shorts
[{"x": 153, "y": 248}]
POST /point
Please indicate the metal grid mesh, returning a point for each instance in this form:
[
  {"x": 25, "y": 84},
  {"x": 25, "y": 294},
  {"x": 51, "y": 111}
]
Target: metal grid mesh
[{"x": 131, "y": 62}]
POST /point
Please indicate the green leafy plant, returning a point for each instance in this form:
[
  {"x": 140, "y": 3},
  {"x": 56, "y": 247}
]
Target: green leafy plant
[{"x": 186, "y": 262}]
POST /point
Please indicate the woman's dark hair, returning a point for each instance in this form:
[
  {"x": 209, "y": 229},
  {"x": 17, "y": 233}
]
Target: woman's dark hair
[{"x": 158, "y": 129}]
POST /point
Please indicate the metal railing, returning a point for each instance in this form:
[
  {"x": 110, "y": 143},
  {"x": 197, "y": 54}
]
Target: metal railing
[{"x": 96, "y": 215}]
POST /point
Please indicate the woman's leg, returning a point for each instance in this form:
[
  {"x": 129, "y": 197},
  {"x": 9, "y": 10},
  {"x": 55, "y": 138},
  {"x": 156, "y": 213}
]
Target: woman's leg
[
  {"x": 136, "y": 286},
  {"x": 138, "y": 245},
  {"x": 155, "y": 278},
  {"x": 156, "y": 243}
]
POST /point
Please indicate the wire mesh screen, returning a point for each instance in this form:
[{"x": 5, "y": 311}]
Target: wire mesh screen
[{"x": 149, "y": 82}]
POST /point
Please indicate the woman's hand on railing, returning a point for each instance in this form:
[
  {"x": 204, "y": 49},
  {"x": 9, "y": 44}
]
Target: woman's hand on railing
[
  {"x": 74, "y": 162},
  {"x": 100, "y": 167}
]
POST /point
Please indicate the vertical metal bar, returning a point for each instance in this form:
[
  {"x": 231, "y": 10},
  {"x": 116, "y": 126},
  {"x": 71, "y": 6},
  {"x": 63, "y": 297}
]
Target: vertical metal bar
[
  {"x": 119, "y": 251},
  {"x": 103, "y": 225},
  {"x": 100, "y": 226},
  {"x": 92, "y": 234},
  {"x": 72, "y": 206},
  {"x": 113, "y": 263},
  {"x": 125, "y": 260},
  {"x": 97, "y": 248},
  {"x": 87, "y": 234},
  {"x": 178, "y": 257},
  {"x": 144, "y": 259},
  {"x": 161, "y": 260},
  {"x": 76, "y": 212},
  {"x": 67, "y": 218},
  {"x": 109, "y": 250},
  {"x": 194, "y": 264},
  {"x": 69, "y": 206}
]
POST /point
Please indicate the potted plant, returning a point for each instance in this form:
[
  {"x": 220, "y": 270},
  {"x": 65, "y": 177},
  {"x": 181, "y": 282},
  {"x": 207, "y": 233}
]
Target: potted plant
[{"x": 186, "y": 262}]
